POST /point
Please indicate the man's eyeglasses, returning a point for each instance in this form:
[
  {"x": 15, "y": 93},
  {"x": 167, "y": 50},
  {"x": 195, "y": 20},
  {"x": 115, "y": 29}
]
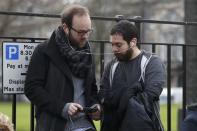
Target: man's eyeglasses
[{"x": 82, "y": 32}]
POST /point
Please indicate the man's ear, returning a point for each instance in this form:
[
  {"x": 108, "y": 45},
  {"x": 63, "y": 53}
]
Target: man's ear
[
  {"x": 65, "y": 27},
  {"x": 133, "y": 42}
]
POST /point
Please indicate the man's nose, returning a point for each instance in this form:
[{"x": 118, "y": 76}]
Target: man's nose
[
  {"x": 115, "y": 49},
  {"x": 86, "y": 35}
]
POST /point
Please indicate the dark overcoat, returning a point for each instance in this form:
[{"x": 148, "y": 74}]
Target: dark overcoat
[{"x": 49, "y": 86}]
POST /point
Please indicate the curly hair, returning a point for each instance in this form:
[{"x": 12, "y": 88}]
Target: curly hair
[
  {"x": 5, "y": 123},
  {"x": 126, "y": 29}
]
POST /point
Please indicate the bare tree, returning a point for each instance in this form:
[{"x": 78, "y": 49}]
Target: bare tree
[{"x": 28, "y": 26}]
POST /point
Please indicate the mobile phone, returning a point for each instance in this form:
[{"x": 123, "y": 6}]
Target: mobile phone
[{"x": 91, "y": 109}]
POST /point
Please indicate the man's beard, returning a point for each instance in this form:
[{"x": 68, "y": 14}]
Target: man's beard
[
  {"x": 126, "y": 56},
  {"x": 73, "y": 42}
]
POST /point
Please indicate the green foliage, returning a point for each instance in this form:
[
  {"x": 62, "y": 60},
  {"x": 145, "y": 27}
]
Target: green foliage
[{"x": 23, "y": 115}]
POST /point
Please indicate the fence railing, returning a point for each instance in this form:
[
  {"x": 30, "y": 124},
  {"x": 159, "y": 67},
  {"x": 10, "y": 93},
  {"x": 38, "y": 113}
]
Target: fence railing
[{"x": 138, "y": 22}]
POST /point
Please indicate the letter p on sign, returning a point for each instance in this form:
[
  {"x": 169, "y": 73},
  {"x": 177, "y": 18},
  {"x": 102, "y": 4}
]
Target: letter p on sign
[{"x": 12, "y": 52}]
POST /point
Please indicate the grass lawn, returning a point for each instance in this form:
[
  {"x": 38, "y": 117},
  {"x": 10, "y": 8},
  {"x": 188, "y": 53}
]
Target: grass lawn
[
  {"x": 174, "y": 113},
  {"x": 23, "y": 115}
]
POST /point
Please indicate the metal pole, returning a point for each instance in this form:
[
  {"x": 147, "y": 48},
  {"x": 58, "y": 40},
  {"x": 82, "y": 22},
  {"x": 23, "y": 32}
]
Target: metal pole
[
  {"x": 153, "y": 48},
  {"x": 184, "y": 82},
  {"x": 32, "y": 108},
  {"x": 169, "y": 88},
  {"x": 102, "y": 58},
  {"x": 184, "y": 61},
  {"x": 14, "y": 111},
  {"x": 32, "y": 117},
  {"x": 138, "y": 25},
  {"x": 14, "y": 106}
]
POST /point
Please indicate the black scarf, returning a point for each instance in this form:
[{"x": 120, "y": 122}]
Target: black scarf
[{"x": 79, "y": 60}]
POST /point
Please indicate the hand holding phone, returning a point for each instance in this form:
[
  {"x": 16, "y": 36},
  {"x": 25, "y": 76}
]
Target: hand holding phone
[{"x": 91, "y": 109}]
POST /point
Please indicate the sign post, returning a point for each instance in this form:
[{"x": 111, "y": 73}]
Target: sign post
[{"x": 16, "y": 57}]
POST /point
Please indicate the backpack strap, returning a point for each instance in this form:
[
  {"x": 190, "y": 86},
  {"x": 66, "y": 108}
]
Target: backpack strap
[
  {"x": 144, "y": 62},
  {"x": 112, "y": 70}
]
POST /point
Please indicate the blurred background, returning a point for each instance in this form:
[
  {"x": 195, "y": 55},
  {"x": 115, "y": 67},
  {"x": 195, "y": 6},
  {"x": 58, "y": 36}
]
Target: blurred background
[{"x": 163, "y": 10}]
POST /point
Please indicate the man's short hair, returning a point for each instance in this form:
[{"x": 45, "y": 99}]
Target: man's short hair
[
  {"x": 71, "y": 10},
  {"x": 126, "y": 29}
]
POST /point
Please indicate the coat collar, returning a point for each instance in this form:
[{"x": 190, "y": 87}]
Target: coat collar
[{"x": 53, "y": 52}]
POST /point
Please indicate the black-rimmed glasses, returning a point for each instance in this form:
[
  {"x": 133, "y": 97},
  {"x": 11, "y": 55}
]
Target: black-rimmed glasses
[{"x": 82, "y": 32}]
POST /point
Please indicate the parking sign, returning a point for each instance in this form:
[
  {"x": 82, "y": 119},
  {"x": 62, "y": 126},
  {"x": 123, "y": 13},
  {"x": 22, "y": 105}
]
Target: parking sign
[
  {"x": 12, "y": 52},
  {"x": 15, "y": 59}
]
